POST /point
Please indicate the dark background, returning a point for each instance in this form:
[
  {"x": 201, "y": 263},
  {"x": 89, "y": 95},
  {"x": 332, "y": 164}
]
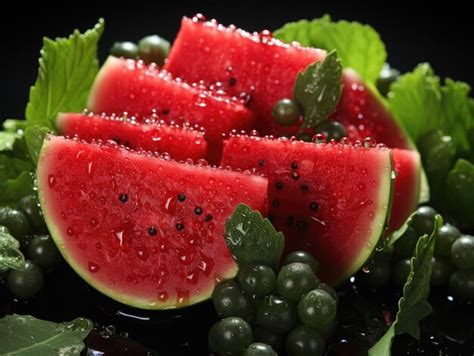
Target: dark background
[{"x": 441, "y": 34}]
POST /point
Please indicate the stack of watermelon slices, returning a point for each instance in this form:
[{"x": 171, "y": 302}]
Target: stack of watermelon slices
[{"x": 147, "y": 230}]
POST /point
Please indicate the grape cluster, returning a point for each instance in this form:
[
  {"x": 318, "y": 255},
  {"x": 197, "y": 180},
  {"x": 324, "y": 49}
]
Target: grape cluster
[
  {"x": 262, "y": 312},
  {"x": 26, "y": 224},
  {"x": 452, "y": 263},
  {"x": 150, "y": 49}
]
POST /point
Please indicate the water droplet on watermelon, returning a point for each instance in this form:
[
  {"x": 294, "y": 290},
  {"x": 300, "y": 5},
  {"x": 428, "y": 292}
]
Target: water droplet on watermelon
[
  {"x": 119, "y": 236},
  {"x": 369, "y": 142},
  {"x": 319, "y": 138},
  {"x": 182, "y": 296},
  {"x": 93, "y": 267},
  {"x": 142, "y": 253},
  {"x": 98, "y": 245},
  {"x": 70, "y": 231},
  {"x": 163, "y": 296},
  {"x": 51, "y": 180}
]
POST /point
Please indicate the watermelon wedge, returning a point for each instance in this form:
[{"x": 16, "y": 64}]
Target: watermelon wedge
[
  {"x": 364, "y": 114},
  {"x": 144, "y": 230},
  {"x": 252, "y": 66},
  {"x": 180, "y": 142},
  {"x": 330, "y": 200},
  {"x": 142, "y": 91},
  {"x": 407, "y": 166}
]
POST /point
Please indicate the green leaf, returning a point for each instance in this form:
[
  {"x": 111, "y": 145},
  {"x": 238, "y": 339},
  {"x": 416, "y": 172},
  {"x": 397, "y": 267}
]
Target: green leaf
[
  {"x": 253, "y": 239},
  {"x": 412, "y": 306},
  {"x": 16, "y": 188},
  {"x": 67, "y": 69},
  {"x": 11, "y": 167},
  {"x": 14, "y": 125},
  {"x": 318, "y": 88},
  {"x": 359, "y": 46},
  {"x": 460, "y": 191},
  {"x": 456, "y": 113},
  {"x": 10, "y": 254},
  {"x": 34, "y": 137},
  {"x": 415, "y": 99},
  {"x": 27, "y": 336},
  {"x": 7, "y": 139}
]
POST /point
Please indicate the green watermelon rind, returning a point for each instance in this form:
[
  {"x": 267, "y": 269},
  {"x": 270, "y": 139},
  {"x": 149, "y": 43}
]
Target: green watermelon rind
[
  {"x": 130, "y": 300},
  {"x": 375, "y": 241}
]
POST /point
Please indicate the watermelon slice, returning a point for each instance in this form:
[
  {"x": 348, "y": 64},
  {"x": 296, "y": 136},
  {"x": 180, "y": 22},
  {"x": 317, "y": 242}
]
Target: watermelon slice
[
  {"x": 180, "y": 142},
  {"x": 144, "y": 230},
  {"x": 330, "y": 200},
  {"x": 253, "y": 66},
  {"x": 407, "y": 165},
  {"x": 139, "y": 90},
  {"x": 364, "y": 114}
]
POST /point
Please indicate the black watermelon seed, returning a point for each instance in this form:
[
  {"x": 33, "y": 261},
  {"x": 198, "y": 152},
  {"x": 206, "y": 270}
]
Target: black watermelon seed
[
  {"x": 294, "y": 165},
  {"x": 232, "y": 81},
  {"x": 179, "y": 226},
  {"x": 304, "y": 187},
  {"x": 275, "y": 203},
  {"x": 295, "y": 176},
  {"x": 208, "y": 217},
  {"x": 165, "y": 112},
  {"x": 197, "y": 210},
  {"x": 152, "y": 231},
  {"x": 301, "y": 225},
  {"x": 261, "y": 163},
  {"x": 289, "y": 220},
  {"x": 123, "y": 197},
  {"x": 314, "y": 206},
  {"x": 181, "y": 197},
  {"x": 279, "y": 185}
]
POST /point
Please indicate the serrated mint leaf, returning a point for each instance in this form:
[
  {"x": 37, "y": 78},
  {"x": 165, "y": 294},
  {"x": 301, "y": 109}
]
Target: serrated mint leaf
[
  {"x": 10, "y": 254},
  {"x": 67, "y": 69},
  {"x": 27, "y": 336},
  {"x": 415, "y": 100},
  {"x": 460, "y": 191},
  {"x": 253, "y": 239},
  {"x": 412, "y": 306},
  {"x": 359, "y": 46},
  {"x": 318, "y": 88},
  {"x": 34, "y": 137}
]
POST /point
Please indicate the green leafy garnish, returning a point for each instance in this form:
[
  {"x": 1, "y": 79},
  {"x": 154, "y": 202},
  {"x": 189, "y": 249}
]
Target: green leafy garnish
[
  {"x": 439, "y": 117},
  {"x": 14, "y": 125},
  {"x": 10, "y": 254},
  {"x": 359, "y": 46},
  {"x": 318, "y": 88},
  {"x": 34, "y": 136},
  {"x": 25, "y": 335},
  {"x": 412, "y": 306},
  {"x": 68, "y": 67},
  {"x": 7, "y": 139},
  {"x": 253, "y": 239}
]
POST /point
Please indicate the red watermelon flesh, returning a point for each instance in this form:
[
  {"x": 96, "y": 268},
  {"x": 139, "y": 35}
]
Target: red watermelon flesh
[
  {"x": 255, "y": 67},
  {"x": 144, "y": 230},
  {"x": 180, "y": 142},
  {"x": 141, "y": 91},
  {"x": 330, "y": 200},
  {"x": 363, "y": 114},
  {"x": 407, "y": 164}
]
